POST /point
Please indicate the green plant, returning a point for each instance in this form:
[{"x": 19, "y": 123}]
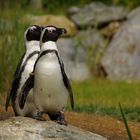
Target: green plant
[
  {"x": 125, "y": 123},
  {"x": 10, "y": 51}
]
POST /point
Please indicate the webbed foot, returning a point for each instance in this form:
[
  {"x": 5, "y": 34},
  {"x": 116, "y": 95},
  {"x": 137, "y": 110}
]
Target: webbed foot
[
  {"x": 59, "y": 118},
  {"x": 39, "y": 116}
]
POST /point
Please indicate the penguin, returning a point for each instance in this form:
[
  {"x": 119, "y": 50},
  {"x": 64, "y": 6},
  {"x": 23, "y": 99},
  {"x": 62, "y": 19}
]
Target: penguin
[
  {"x": 24, "y": 68},
  {"x": 51, "y": 86}
]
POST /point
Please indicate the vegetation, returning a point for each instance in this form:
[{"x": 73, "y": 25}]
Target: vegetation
[
  {"x": 125, "y": 123},
  {"x": 12, "y": 46},
  {"x": 103, "y": 96}
]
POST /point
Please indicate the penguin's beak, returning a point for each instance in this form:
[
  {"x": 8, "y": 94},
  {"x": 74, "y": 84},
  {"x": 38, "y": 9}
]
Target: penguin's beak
[{"x": 62, "y": 31}]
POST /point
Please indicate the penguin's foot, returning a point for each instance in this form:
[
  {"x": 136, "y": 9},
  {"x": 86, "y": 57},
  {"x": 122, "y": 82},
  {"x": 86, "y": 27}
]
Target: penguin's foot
[
  {"x": 61, "y": 121},
  {"x": 59, "y": 118},
  {"x": 39, "y": 116}
]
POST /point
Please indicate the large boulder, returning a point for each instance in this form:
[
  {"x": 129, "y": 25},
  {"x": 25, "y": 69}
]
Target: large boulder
[
  {"x": 21, "y": 128},
  {"x": 81, "y": 52},
  {"x": 76, "y": 70},
  {"x": 121, "y": 61},
  {"x": 96, "y": 13},
  {"x": 134, "y": 14},
  {"x": 58, "y": 21}
]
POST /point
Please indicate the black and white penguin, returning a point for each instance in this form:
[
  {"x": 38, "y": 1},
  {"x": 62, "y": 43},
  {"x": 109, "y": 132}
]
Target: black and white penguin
[
  {"x": 49, "y": 81},
  {"x": 24, "y": 68}
]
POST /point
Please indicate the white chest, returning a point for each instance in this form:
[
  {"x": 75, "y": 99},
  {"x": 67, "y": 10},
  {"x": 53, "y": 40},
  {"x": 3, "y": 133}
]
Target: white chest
[{"x": 49, "y": 91}]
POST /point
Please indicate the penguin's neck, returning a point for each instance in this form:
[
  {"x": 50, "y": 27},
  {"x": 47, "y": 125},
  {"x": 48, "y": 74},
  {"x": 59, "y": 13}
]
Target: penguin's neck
[
  {"x": 49, "y": 45},
  {"x": 32, "y": 46}
]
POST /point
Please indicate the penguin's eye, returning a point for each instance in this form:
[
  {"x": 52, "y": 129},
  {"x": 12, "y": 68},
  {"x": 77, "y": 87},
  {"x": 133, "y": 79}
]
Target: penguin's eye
[
  {"x": 31, "y": 30},
  {"x": 50, "y": 31}
]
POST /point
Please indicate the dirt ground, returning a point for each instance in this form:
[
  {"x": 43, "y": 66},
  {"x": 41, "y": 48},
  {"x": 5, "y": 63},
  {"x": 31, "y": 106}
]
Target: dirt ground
[{"x": 106, "y": 126}]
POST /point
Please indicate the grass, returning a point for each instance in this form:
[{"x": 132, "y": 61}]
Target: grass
[
  {"x": 103, "y": 96},
  {"x": 12, "y": 46},
  {"x": 125, "y": 123}
]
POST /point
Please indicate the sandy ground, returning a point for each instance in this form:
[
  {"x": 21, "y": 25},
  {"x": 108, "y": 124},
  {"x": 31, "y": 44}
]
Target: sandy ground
[{"x": 106, "y": 126}]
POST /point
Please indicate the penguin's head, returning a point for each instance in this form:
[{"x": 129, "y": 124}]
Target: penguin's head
[
  {"x": 51, "y": 33},
  {"x": 33, "y": 33}
]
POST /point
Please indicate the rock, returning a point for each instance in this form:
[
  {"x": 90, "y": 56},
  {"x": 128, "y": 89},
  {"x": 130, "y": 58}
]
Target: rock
[
  {"x": 121, "y": 60},
  {"x": 96, "y": 14},
  {"x": 80, "y": 52},
  {"x": 22, "y": 128},
  {"x": 76, "y": 70},
  {"x": 66, "y": 47},
  {"x": 134, "y": 14},
  {"x": 73, "y": 10},
  {"x": 58, "y": 21},
  {"x": 91, "y": 42},
  {"x": 109, "y": 30}
]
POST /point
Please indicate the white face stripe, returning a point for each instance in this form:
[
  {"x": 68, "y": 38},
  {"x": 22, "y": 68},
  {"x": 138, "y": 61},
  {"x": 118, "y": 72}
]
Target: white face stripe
[
  {"x": 32, "y": 27},
  {"x": 50, "y": 28}
]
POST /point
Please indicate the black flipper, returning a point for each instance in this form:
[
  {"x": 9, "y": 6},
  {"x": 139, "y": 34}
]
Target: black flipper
[
  {"x": 66, "y": 81},
  {"x": 15, "y": 83},
  {"x": 13, "y": 91},
  {"x": 28, "y": 85},
  {"x": 67, "y": 84}
]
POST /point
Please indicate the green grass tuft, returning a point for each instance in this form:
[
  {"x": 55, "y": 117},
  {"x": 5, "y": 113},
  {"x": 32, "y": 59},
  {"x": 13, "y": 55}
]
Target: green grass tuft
[{"x": 125, "y": 123}]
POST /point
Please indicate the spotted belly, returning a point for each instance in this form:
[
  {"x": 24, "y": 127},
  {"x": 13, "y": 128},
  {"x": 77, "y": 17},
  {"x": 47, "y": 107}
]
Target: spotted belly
[{"x": 50, "y": 93}]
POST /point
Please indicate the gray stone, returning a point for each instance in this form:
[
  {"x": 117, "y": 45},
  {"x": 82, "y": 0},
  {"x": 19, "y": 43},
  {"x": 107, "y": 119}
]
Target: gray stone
[
  {"x": 121, "y": 61},
  {"x": 109, "y": 30},
  {"x": 76, "y": 70},
  {"x": 73, "y": 10},
  {"x": 21, "y": 128},
  {"x": 97, "y": 13},
  {"x": 80, "y": 52},
  {"x": 134, "y": 14}
]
